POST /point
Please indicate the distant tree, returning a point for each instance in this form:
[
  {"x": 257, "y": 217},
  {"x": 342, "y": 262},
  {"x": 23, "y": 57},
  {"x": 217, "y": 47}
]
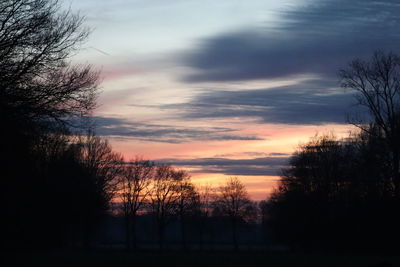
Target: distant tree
[
  {"x": 164, "y": 198},
  {"x": 204, "y": 210},
  {"x": 263, "y": 206},
  {"x": 232, "y": 200},
  {"x": 134, "y": 190},
  {"x": 377, "y": 83},
  {"x": 188, "y": 200}
]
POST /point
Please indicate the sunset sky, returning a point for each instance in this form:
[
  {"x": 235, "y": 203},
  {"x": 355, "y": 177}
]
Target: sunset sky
[{"x": 227, "y": 87}]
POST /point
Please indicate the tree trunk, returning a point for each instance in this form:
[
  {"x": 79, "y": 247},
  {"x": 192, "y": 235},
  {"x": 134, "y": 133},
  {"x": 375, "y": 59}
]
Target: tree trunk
[
  {"x": 234, "y": 234},
  {"x": 87, "y": 236},
  {"x": 128, "y": 233},
  {"x": 201, "y": 233},
  {"x": 133, "y": 229},
  {"x": 396, "y": 174},
  {"x": 183, "y": 233},
  {"x": 161, "y": 235},
  {"x": 395, "y": 147}
]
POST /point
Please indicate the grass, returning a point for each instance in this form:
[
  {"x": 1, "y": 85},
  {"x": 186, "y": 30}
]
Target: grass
[{"x": 188, "y": 259}]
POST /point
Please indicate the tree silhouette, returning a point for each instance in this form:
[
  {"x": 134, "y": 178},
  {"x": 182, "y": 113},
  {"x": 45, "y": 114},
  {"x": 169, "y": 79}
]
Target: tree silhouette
[
  {"x": 204, "y": 210},
  {"x": 377, "y": 83},
  {"x": 82, "y": 183},
  {"x": 134, "y": 190},
  {"x": 188, "y": 200},
  {"x": 103, "y": 165},
  {"x": 232, "y": 200},
  {"x": 37, "y": 82},
  {"x": 337, "y": 190},
  {"x": 332, "y": 193},
  {"x": 312, "y": 181},
  {"x": 40, "y": 94},
  {"x": 165, "y": 197}
]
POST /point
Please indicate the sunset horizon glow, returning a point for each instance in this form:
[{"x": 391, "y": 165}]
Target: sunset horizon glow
[{"x": 225, "y": 88}]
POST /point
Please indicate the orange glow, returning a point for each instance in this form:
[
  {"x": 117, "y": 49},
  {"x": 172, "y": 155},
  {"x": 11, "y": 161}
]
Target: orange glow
[
  {"x": 277, "y": 139},
  {"x": 259, "y": 187}
]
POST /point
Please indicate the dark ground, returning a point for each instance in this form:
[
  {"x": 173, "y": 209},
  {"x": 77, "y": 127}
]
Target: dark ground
[{"x": 280, "y": 259}]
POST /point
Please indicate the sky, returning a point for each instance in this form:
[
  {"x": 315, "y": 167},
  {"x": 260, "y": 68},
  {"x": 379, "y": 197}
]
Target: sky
[{"x": 226, "y": 87}]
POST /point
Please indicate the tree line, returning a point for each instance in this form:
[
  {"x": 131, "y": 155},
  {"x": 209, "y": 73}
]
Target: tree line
[{"x": 168, "y": 195}]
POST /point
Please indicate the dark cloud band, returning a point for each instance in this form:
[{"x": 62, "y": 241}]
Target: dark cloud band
[
  {"x": 312, "y": 102},
  {"x": 318, "y": 38},
  {"x": 265, "y": 166}
]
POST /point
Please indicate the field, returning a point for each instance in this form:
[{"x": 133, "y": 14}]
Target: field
[{"x": 279, "y": 259}]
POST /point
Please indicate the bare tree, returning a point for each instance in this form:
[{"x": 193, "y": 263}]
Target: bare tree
[
  {"x": 101, "y": 169},
  {"x": 377, "y": 83},
  {"x": 103, "y": 165},
  {"x": 37, "y": 82},
  {"x": 204, "y": 211},
  {"x": 134, "y": 190},
  {"x": 233, "y": 201},
  {"x": 41, "y": 91},
  {"x": 165, "y": 197},
  {"x": 188, "y": 200}
]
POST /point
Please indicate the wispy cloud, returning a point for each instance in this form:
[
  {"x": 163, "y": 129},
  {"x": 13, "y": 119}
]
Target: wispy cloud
[{"x": 122, "y": 128}]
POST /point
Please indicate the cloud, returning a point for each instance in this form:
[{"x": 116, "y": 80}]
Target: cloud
[
  {"x": 318, "y": 38},
  {"x": 251, "y": 154},
  {"x": 263, "y": 166},
  {"x": 311, "y": 102},
  {"x": 122, "y": 128}
]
